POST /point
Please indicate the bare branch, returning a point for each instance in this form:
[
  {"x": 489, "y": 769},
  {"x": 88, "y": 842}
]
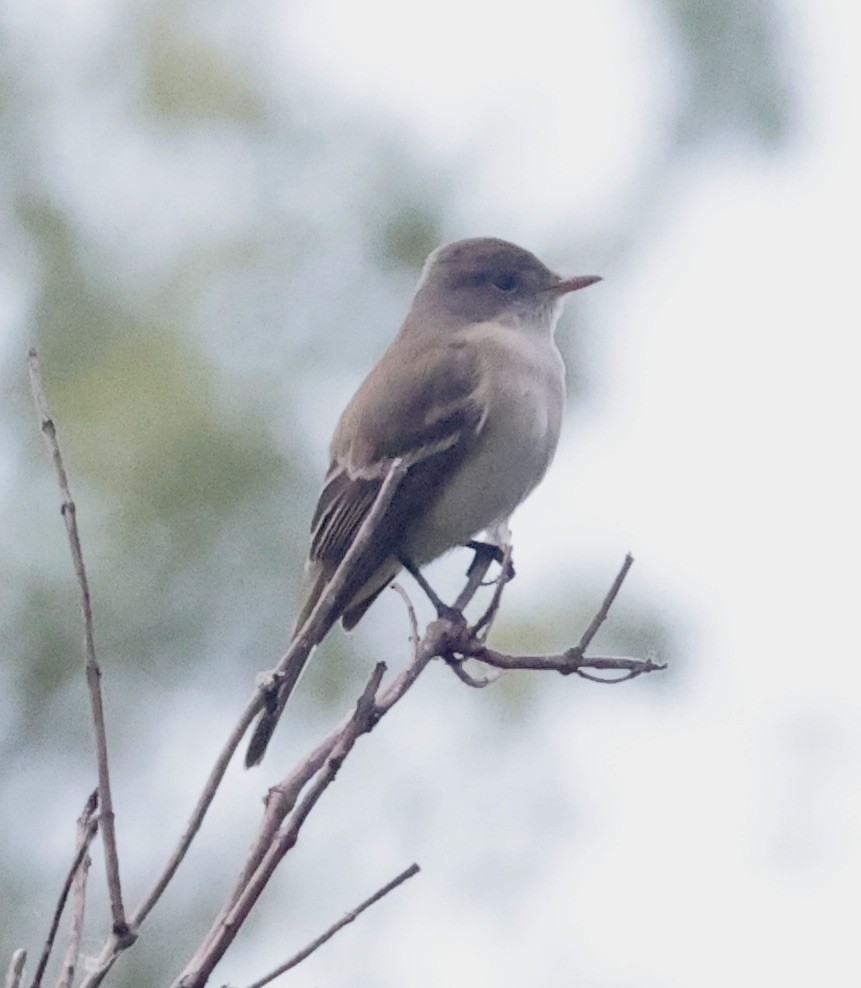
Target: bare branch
[
  {"x": 15, "y": 969},
  {"x": 318, "y": 621},
  {"x": 566, "y": 663},
  {"x": 411, "y": 614},
  {"x": 282, "y": 799},
  {"x": 477, "y": 683},
  {"x": 466, "y": 643},
  {"x": 199, "y": 812},
  {"x": 79, "y": 897},
  {"x": 306, "y": 641},
  {"x": 279, "y": 803},
  {"x": 283, "y": 817},
  {"x": 113, "y": 946},
  {"x": 87, "y": 831},
  {"x": 335, "y": 927},
  {"x": 604, "y": 609},
  {"x": 573, "y": 660},
  {"x": 94, "y": 674},
  {"x": 223, "y": 933}
]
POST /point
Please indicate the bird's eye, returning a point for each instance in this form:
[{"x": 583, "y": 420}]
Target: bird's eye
[{"x": 506, "y": 282}]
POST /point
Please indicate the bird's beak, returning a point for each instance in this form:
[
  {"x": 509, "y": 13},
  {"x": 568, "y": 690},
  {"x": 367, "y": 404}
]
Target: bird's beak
[{"x": 567, "y": 285}]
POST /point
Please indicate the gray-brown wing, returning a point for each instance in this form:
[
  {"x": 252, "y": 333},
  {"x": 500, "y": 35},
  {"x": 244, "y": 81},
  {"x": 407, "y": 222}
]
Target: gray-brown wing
[{"x": 427, "y": 409}]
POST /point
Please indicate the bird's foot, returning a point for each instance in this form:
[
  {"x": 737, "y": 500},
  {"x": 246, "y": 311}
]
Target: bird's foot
[{"x": 493, "y": 552}]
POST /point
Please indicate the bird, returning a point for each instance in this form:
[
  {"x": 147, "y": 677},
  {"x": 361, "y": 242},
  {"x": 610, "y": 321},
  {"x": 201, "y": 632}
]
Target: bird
[{"x": 469, "y": 397}]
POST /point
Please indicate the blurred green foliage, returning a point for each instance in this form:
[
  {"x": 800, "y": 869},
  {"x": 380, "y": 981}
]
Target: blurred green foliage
[
  {"x": 739, "y": 83},
  {"x": 179, "y": 235}
]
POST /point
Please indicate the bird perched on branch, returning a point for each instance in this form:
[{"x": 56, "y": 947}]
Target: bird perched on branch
[{"x": 469, "y": 396}]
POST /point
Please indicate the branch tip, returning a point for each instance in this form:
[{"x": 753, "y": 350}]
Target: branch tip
[
  {"x": 93, "y": 674},
  {"x": 347, "y": 918}
]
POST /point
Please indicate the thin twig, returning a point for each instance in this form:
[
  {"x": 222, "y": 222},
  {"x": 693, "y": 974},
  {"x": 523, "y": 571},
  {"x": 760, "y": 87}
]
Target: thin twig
[
  {"x": 470, "y": 643},
  {"x": 15, "y": 969},
  {"x": 306, "y": 639},
  {"x": 197, "y": 971},
  {"x": 266, "y": 850},
  {"x": 457, "y": 667},
  {"x": 567, "y": 663},
  {"x": 411, "y": 614},
  {"x": 94, "y": 674},
  {"x": 84, "y": 844},
  {"x": 444, "y": 637},
  {"x": 210, "y": 788},
  {"x": 283, "y": 797},
  {"x": 505, "y": 573},
  {"x": 79, "y": 898},
  {"x": 603, "y": 610},
  {"x": 101, "y": 965},
  {"x": 278, "y": 684},
  {"x": 288, "y": 792},
  {"x": 335, "y": 927},
  {"x": 573, "y": 660},
  {"x": 464, "y": 643}
]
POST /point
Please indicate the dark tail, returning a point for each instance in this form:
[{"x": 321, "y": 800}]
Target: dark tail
[
  {"x": 316, "y": 582},
  {"x": 271, "y": 714}
]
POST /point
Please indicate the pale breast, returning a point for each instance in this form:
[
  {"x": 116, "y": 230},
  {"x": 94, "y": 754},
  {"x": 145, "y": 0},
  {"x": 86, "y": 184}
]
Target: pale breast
[{"x": 524, "y": 389}]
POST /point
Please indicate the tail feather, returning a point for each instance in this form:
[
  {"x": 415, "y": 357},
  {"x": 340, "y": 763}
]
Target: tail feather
[
  {"x": 317, "y": 577},
  {"x": 269, "y": 718},
  {"x": 314, "y": 584},
  {"x": 351, "y": 617}
]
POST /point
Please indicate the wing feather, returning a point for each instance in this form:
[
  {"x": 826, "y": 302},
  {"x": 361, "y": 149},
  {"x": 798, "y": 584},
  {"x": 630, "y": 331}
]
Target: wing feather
[{"x": 427, "y": 409}]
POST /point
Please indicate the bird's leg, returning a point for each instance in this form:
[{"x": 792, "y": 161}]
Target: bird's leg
[
  {"x": 442, "y": 610},
  {"x": 482, "y": 549},
  {"x": 498, "y": 549},
  {"x": 492, "y": 551}
]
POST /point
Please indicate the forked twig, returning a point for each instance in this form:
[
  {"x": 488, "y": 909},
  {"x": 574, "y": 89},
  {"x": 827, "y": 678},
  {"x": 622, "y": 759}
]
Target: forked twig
[
  {"x": 94, "y": 673},
  {"x": 572, "y": 660},
  {"x": 197, "y": 971},
  {"x": 335, "y": 927},
  {"x": 277, "y": 834},
  {"x": 89, "y": 832},
  {"x": 311, "y": 631},
  {"x": 79, "y": 898},
  {"x": 305, "y": 640}
]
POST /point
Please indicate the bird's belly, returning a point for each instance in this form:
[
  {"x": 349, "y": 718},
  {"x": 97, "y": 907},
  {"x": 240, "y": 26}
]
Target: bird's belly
[{"x": 510, "y": 457}]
